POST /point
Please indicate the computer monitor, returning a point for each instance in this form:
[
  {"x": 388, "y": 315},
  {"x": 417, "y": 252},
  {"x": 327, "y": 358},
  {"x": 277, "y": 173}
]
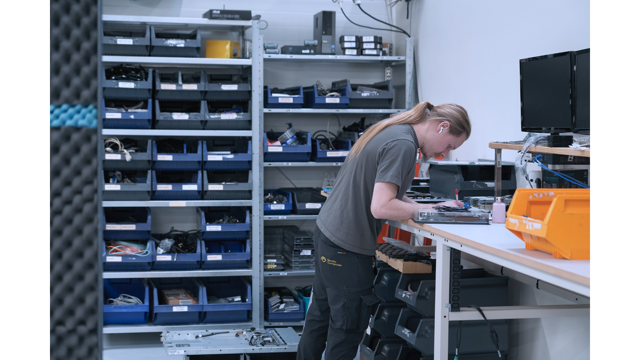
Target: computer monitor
[
  {"x": 581, "y": 92},
  {"x": 545, "y": 93}
]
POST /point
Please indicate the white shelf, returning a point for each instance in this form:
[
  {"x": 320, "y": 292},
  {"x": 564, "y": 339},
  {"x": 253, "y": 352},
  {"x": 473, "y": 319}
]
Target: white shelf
[
  {"x": 154, "y": 132},
  {"x": 284, "y": 323},
  {"x": 218, "y": 25},
  {"x": 172, "y": 61},
  {"x": 176, "y": 203},
  {"x": 289, "y": 273},
  {"x": 334, "y": 111},
  {"x": 149, "y": 328},
  {"x": 174, "y": 274},
  {"x": 336, "y": 58},
  {"x": 290, "y": 217}
]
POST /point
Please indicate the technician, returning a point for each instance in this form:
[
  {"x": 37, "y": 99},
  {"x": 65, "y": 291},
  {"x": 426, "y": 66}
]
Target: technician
[{"x": 369, "y": 188}]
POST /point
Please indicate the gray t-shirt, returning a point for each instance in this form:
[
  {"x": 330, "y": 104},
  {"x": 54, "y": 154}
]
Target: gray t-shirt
[{"x": 346, "y": 217}]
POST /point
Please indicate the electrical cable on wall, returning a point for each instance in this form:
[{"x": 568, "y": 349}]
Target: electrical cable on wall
[
  {"x": 386, "y": 23},
  {"x": 367, "y": 27},
  {"x": 564, "y": 176}
]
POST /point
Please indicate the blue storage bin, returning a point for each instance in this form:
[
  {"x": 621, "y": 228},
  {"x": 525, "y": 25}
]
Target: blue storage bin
[
  {"x": 168, "y": 185},
  {"x": 140, "y": 159},
  {"x": 180, "y": 85},
  {"x": 288, "y": 153},
  {"x": 281, "y": 315},
  {"x": 227, "y": 254},
  {"x": 127, "y": 89},
  {"x": 313, "y": 100},
  {"x": 177, "y": 261},
  {"x": 221, "y": 287},
  {"x": 190, "y": 159},
  {"x": 126, "y": 314},
  {"x": 126, "y": 223},
  {"x": 339, "y": 155},
  {"x": 135, "y": 191},
  {"x": 228, "y": 87},
  {"x": 180, "y": 114},
  {"x": 227, "y": 185},
  {"x": 227, "y": 115},
  {"x": 176, "y": 314},
  {"x": 131, "y": 42},
  {"x": 126, "y": 119},
  {"x": 379, "y": 98},
  {"x": 129, "y": 262},
  {"x": 279, "y": 208},
  {"x": 213, "y": 231},
  {"x": 293, "y": 101},
  {"x": 227, "y": 154},
  {"x": 174, "y": 43}
]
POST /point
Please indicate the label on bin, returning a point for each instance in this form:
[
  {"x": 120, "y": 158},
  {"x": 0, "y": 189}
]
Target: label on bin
[
  {"x": 189, "y": 86},
  {"x": 214, "y": 257},
  {"x": 349, "y": 38},
  {"x": 168, "y": 86},
  {"x": 274, "y": 148},
  {"x": 229, "y": 87},
  {"x": 165, "y": 187},
  {"x": 228, "y": 116},
  {"x": 349, "y": 44},
  {"x": 189, "y": 187},
  {"x": 337, "y": 153},
  {"x": 112, "y": 157},
  {"x": 177, "y": 203},
  {"x": 124, "y": 41},
  {"x": 369, "y": 52},
  {"x": 214, "y": 157},
  {"x": 114, "y": 116},
  {"x": 332, "y": 99},
  {"x": 285, "y": 100},
  {"x": 165, "y": 157},
  {"x": 126, "y": 84},
  {"x": 216, "y": 187},
  {"x": 351, "y": 52},
  {"x": 214, "y": 227},
  {"x": 176, "y": 352},
  {"x": 180, "y": 116},
  {"x": 163, "y": 257},
  {"x": 276, "y": 206},
  {"x": 305, "y": 252},
  {"x": 180, "y": 308},
  {"x": 271, "y": 260},
  {"x": 120, "y": 227},
  {"x": 369, "y": 46},
  {"x": 112, "y": 187},
  {"x": 114, "y": 259},
  {"x": 312, "y": 205},
  {"x": 368, "y": 38}
]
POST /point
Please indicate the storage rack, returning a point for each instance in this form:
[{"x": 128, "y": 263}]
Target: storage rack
[{"x": 256, "y": 272}]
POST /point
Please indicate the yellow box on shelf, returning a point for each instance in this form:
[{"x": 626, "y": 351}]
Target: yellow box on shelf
[{"x": 223, "y": 49}]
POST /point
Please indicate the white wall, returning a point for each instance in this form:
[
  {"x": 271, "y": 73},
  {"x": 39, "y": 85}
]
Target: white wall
[{"x": 467, "y": 53}]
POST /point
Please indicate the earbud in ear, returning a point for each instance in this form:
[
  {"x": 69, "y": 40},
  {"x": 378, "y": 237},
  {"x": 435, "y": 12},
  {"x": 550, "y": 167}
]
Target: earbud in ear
[{"x": 442, "y": 128}]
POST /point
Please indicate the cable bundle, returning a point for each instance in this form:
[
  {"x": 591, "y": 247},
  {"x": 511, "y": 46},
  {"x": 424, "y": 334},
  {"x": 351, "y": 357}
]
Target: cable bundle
[
  {"x": 125, "y": 299},
  {"x": 126, "y": 146},
  {"x": 180, "y": 242},
  {"x": 126, "y": 72},
  {"x": 119, "y": 247}
]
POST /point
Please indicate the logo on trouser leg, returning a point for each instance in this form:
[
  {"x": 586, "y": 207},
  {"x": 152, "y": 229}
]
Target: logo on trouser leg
[
  {"x": 329, "y": 261},
  {"x": 324, "y": 259}
]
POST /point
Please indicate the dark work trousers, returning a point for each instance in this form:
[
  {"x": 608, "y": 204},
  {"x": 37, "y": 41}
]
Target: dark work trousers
[{"x": 341, "y": 302}]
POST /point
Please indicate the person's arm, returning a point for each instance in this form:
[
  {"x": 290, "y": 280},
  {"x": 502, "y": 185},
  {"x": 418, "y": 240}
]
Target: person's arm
[
  {"x": 384, "y": 204},
  {"x": 408, "y": 200}
]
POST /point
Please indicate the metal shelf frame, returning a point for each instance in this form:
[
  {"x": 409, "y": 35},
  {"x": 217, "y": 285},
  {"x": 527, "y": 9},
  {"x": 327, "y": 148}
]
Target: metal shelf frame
[
  {"x": 302, "y": 164},
  {"x": 334, "y": 111},
  {"x": 178, "y": 22},
  {"x": 177, "y": 203},
  {"x": 173, "y": 61},
  {"x": 174, "y": 274},
  {"x": 150, "y": 328},
  {"x": 336, "y": 58},
  {"x": 195, "y": 133}
]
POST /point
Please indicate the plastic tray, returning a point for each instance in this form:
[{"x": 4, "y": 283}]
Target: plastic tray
[
  {"x": 225, "y": 115},
  {"x": 140, "y": 191},
  {"x": 188, "y": 160},
  {"x": 140, "y": 160},
  {"x": 288, "y": 153},
  {"x": 127, "y": 119},
  {"x": 126, "y": 314},
  {"x": 228, "y": 254},
  {"x": 380, "y": 99},
  {"x": 385, "y": 282},
  {"x": 169, "y": 185},
  {"x": 299, "y": 254},
  {"x": 281, "y": 315},
  {"x": 126, "y": 223},
  {"x": 227, "y": 154},
  {"x": 227, "y": 185},
  {"x": 127, "y": 89},
  {"x": 180, "y": 85},
  {"x": 313, "y": 100},
  {"x": 298, "y": 239},
  {"x": 554, "y": 221},
  {"x": 177, "y": 314},
  {"x": 293, "y": 101},
  {"x": 179, "y": 114},
  {"x": 279, "y": 208},
  {"x": 177, "y": 261},
  {"x": 476, "y": 286},
  {"x": 128, "y": 262},
  {"x": 338, "y": 155},
  {"x": 221, "y": 287},
  {"x": 174, "y": 44},
  {"x": 228, "y": 87},
  {"x": 135, "y": 42},
  {"x": 306, "y": 201},
  {"x": 237, "y": 231},
  {"x": 310, "y": 263}
]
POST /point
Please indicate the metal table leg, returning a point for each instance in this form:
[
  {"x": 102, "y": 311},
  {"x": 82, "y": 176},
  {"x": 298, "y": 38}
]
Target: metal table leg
[
  {"x": 498, "y": 174},
  {"x": 441, "y": 319}
]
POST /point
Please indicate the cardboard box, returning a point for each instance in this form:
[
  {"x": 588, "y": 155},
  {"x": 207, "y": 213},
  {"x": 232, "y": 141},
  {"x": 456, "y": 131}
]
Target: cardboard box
[
  {"x": 405, "y": 267},
  {"x": 177, "y": 297},
  {"x": 387, "y": 49},
  {"x": 223, "y": 49}
]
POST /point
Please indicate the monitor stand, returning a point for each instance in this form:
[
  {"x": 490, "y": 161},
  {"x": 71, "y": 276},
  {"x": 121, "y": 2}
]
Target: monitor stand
[{"x": 557, "y": 140}]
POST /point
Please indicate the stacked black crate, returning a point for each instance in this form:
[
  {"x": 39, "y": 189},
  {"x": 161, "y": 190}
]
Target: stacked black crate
[
  {"x": 371, "y": 45},
  {"x": 350, "y": 44},
  {"x": 298, "y": 249}
]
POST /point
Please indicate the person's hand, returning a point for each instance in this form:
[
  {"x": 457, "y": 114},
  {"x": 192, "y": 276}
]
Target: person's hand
[{"x": 452, "y": 203}]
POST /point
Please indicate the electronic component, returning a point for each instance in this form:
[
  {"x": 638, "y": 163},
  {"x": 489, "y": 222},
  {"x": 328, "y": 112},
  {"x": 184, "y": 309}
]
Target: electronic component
[
  {"x": 311, "y": 43},
  {"x": 271, "y": 51},
  {"x": 345, "y": 38},
  {"x": 470, "y": 178},
  {"x": 298, "y": 49},
  {"x": 217, "y": 14},
  {"x": 351, "y": 51},
  {"x": 270, "y": 45},
  {"x": 429, "y": 216},
  {"x": 371, "y": 39},
  {"x": 324, "y": 31}
]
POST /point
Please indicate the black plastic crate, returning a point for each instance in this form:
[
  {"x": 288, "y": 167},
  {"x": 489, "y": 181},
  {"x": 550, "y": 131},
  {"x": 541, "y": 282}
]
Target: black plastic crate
[
  {"x": 368, "y": 96},
  {"x": 138, "y": 190},
  {"x": 287, "y": 153},
  {"x": 298, "y": 239},
  {"x": 180, "y": 85},
  {"x": 373, "y": 343},
  {"x": 214, "y": 229},
  {"x": 117, "y": 160},
  {"x": 126, "y": 114},
  {"x": 306, "y": 201},
  {"x": 227, "y": 185},
  {"x": 385, "y": 282},
  {"x": 132, "y": 223},
  {"x": 133, "y": 42},
  {"x": 179, "y": 114},
  {"x": 175, "y": 44},
  {"x": 228, "y": 87},
  {"x": 384, "y": 319},
  {"x": 170, "y": 185},
  {"x": 270, "y": 315},
  {"x": 476, "y": 286},
  {"x": 339, "y": 154},
  {"x": 294, "y": 97},
  {"x": 177, "y": 155},
  {"x": 227, "y": 115},
  {"x": 227, "y": 154},
  {"x": 127, "y": 82}
]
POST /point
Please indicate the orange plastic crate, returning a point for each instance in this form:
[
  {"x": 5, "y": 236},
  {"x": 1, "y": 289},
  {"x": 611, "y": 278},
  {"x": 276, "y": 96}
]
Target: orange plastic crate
[{"x": 555, "y": 221}]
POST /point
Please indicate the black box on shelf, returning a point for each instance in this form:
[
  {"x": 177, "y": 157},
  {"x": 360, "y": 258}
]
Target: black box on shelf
[{"x": 217, "y": 14}]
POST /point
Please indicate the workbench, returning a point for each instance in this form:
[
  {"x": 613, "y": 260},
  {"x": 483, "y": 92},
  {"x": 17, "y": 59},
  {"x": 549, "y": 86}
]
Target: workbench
[{"x": 500, "y": 252}]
